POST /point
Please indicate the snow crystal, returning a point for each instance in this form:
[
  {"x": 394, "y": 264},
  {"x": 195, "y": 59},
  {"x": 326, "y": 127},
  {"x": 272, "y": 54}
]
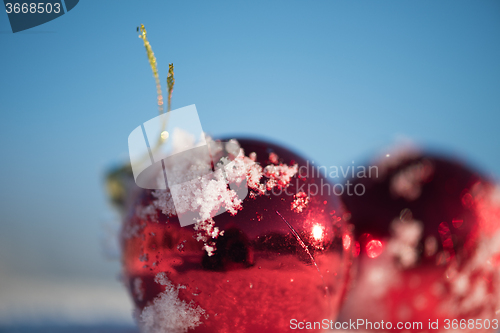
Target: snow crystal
[
  {"x": 300, "y": 201},
  {"x": 403, "y": 244},
  {"x": 279, "y": 175},
  {"x": 205, "y": 230},
  {"x": 378, "y": 277},
  {"x": 147, "y": 213},
  {"x": 273, "y": 158},
  {"x": 460, "y": 285},
  {"x": 168, "y": 313},
  {"x": 408, "y": 182},
  {"x": 476, "y": 297}
]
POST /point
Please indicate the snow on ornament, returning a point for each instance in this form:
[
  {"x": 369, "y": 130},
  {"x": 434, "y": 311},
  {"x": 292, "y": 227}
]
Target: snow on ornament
[{"x": 428, "y": 228}]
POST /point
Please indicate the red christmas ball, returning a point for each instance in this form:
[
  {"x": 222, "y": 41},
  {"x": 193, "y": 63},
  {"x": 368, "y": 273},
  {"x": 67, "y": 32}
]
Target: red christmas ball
[
  {"x": 280, "y": 254},
  {"x": 428, "y": 232}
]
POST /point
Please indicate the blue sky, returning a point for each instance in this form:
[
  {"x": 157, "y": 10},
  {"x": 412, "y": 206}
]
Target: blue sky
[{"x": 335, "y": 80}]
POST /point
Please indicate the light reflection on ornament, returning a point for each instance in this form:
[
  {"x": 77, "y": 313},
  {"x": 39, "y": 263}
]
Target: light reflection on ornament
[
  {"x": 346, "y": 241},
  {"x": 317, "y": 232},
  {"x": 374, "y": 248}
]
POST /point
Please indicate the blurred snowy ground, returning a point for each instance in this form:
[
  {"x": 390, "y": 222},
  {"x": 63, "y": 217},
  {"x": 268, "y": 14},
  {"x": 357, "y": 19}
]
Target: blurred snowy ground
[
  {"x": 69, "y": 328},
  {"x": 61, "y": 305}
]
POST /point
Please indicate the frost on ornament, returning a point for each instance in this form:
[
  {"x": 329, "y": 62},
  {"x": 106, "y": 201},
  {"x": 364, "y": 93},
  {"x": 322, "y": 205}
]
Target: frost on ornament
[
  {"x": 168, "y": 313},
  {"x": 439, "y": 225},
  {"x": 276, "y": 254},
  {"x": 300, "y": 201}
]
